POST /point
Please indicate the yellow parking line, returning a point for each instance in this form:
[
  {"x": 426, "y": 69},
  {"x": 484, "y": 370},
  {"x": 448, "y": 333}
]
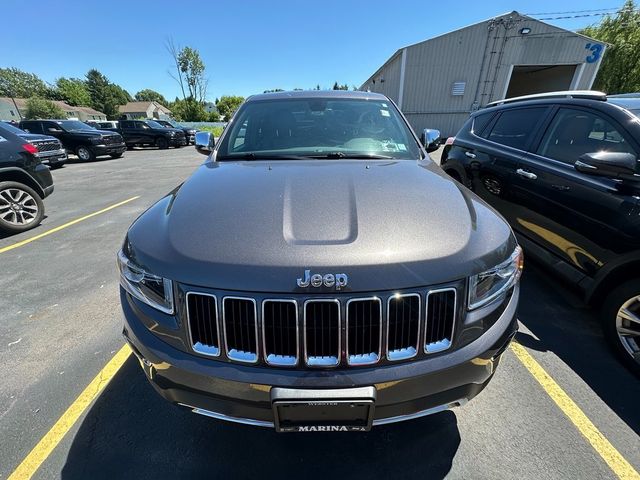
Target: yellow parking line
[
  {"x": 620, "y": 466},
  {"x": 73, "y": 222},
  {"x": 53, "y": 437}
]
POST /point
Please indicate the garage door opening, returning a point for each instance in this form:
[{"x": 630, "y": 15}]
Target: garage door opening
[{"x": 529, "y": 79}]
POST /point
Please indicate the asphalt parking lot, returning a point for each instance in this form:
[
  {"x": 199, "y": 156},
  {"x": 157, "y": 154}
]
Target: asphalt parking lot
[{"x": 61, "y": 324}]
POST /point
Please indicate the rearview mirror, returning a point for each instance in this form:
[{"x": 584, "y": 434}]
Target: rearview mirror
[
  {"x": 431, "y": 139},
  {"x": 204, "y": 142},
  {"x": 609, "y": 164}
]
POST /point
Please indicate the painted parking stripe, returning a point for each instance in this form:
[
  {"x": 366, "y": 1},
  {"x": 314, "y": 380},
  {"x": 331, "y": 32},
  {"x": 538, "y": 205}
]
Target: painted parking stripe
[
  {"x": 45, "y": 446},
  {"x": 620, "y": 466},
  {"x": 68, "y": 224}
]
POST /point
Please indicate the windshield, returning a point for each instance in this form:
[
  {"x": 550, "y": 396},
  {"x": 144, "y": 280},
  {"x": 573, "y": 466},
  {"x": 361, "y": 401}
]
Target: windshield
[
  {"x": 172, "y": 123},
  {"x": 153, "y": 124},
  {"x": 74, "y": 125},
  {"x": 318, "y": 128},
  {"x": 11, "y": 128}
]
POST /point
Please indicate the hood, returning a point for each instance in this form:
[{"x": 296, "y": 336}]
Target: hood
[
  {"x": 257, "y": 226},
  {"x": 32, "y": 137},
  {"x": 92, "y": 133}
]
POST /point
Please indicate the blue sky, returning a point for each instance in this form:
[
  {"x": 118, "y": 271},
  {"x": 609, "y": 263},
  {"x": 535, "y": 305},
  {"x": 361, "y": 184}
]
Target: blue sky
[{"x": 247, "y": 45}]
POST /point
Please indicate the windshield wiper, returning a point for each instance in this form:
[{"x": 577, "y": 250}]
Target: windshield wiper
[
  {"x": 259, "y": 156},
  {"x": 373, "y": 156}
]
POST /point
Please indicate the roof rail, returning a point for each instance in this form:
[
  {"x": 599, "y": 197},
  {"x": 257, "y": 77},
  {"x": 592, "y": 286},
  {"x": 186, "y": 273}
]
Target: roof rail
[{"x": 590, "y": 94}]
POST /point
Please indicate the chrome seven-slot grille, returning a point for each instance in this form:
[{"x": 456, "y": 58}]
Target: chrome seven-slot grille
[{"x": 322, "y": 332}]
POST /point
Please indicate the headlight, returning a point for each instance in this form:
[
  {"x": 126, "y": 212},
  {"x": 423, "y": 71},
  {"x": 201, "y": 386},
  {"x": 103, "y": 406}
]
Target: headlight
[
  {"x": 146, "y": 287},
  {"x": 487, "y": 286},
  {"x": 97, "y": 140}
]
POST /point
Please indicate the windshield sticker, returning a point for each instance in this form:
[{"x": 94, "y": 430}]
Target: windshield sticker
[
  {"x": 384, "y": 105},
  {"x": 402, "y": 147},
  {"x": 385, "y": 113}
]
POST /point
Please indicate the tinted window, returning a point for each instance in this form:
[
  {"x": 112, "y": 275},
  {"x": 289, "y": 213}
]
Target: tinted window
[
  {"x": 125, "y": 124},
  {"x": 319, "y": 127},
  {"x": 31, "y": 127},
  {"x": 481, "y": 121},
  {"x": 575, "y": 132},
  {"x": 514, "y": 127}
]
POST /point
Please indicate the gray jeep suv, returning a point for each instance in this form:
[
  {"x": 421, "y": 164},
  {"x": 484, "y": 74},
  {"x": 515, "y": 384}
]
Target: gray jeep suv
[{"x": 319, "y": 272}]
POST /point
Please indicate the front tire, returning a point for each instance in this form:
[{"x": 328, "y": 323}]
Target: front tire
[
  {"x": 620, "y": 318},
  {"x": 162, "y": 143},
  {"x": 85, "y": 154},
  {"x": 21, "y": 208}
]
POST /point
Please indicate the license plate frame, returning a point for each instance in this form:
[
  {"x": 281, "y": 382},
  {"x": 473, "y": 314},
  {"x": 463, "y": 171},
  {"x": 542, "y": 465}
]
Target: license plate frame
[{"x": 331, "y": 410}]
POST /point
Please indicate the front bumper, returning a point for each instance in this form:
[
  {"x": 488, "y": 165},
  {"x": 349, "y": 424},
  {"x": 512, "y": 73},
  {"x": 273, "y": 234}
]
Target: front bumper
[
  {"x": 53, "y": 158},
  {"x": 178, "y": 141},
  {"x": 113, "y": 149},
  {"x": 242, "y": 393}
]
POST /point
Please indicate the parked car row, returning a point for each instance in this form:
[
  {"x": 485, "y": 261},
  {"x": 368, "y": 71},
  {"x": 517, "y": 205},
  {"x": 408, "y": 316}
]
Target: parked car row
[
  {"x": 563, "y": 169},
  {"x": 151, "y": 129}
]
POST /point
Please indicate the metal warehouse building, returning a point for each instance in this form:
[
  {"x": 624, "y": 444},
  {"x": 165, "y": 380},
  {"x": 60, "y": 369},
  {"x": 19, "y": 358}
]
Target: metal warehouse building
[{"x": 438, "y": 82}]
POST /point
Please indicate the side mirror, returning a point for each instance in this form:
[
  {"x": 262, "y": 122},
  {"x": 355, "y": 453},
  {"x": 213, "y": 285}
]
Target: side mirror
[
  {"x": 617, "y": 165},
  {"x": 204, "y": 142},
  {"x": 431, "y": 139},
  {"x": 54, "y": 130}
]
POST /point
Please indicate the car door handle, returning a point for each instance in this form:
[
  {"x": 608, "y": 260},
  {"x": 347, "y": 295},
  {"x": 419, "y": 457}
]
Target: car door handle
[
  {"x": 470, "y": 154},
  {"x": 562, "y": 188},
  {"x": 525, "y": 174}
]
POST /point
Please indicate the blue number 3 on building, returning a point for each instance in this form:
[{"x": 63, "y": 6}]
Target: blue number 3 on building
[{"x": 596, "y": 51}]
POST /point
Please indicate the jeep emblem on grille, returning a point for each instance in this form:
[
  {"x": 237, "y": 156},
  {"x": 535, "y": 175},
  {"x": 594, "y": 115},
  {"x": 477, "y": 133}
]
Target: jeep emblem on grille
[{"x": 338, "y": 280}]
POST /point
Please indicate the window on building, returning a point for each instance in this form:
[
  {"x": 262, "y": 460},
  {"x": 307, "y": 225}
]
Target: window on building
[
  {"x": 575, "y": 132},
  {"x": 515, "y": 127}
]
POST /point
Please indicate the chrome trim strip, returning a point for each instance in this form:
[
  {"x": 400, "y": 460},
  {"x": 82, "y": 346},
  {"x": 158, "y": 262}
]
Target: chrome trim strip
[
  {"x": 245, "y": 357},
  {"x": 322, "y": 361},
  {"x": 380, "y": 421},
  {"x": 372, "y": 357},
  {"x": 445, "y": 343},
  {"x": 408, "y": 351},
  {"x": 280, "y": 360},
  {"x": 422, "y": 413},
  {"x": 228, "y": 418},
  {"x": 204, "y": 350}
]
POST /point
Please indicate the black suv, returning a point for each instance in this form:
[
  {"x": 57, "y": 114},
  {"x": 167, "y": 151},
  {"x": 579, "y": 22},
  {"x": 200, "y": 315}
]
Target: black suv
[
  {"x": 189, "y": 133},
  {"x": 24, "y": 183},
  {"x": 149, "y": 132},
  {"x": 563, "y": 170},
  {"x": 79, "y": 138}
]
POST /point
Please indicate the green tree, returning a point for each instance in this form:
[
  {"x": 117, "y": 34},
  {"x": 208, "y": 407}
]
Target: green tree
[
  {"x": 620, "y": 68},
  {"x": 213, "y": 117},
  {"x": 105, "y": 96},
  {"x": 227, "y": 105},
  {"x": 190, "y": 76},
  {"x": 148, "y": 95},
  {"x": 16, "y": 83},
  {"x": 73, "y": 91},
  {"x": 188, "y": 110},
  {"x": 42, "y": 108},
  {"x": 340, "y": 87}
]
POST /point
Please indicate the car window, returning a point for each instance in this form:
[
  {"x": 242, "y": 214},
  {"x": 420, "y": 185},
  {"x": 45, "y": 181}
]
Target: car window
[
  {"x": 481, "y": 121},
  {"x": 575, "y": 132},
  {"x": 514, "y": 127},
  {"x": 32, "y": 127}
]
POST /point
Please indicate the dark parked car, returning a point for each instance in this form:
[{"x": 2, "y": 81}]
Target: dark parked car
[
  {"x": 24, "y": 182},
  {"x": 563, "y": 170},
  {"x": 150, "y": 133},
  {"x": 50, "y": 150},
  {"x": 319, "y": 273},
  {"x": 189, "y": 133},
  {"x": 79, "y": 138}
]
